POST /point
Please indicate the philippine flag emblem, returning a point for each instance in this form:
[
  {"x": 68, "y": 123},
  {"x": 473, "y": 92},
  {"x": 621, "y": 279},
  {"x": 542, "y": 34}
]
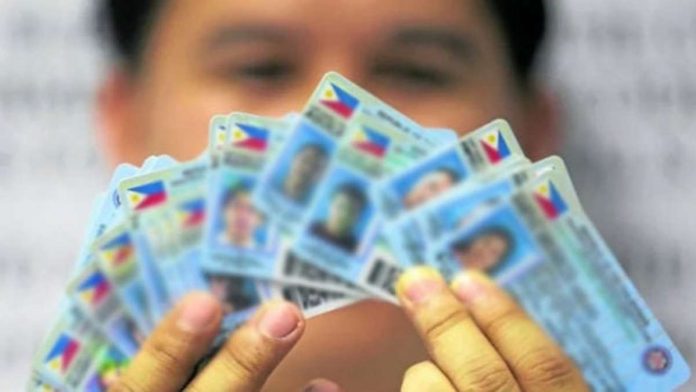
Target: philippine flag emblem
[
  {"x": 147, "y": 195},
  {"x": 221, "y": 134},
  {"x": 62, "y": 354},
  {"x": 550, "y": 201},
  {"x": 192, "y": 213},
  {"x": 371, "y": 141},
  {"x": 249, "y": 137},
  {"x": 494, "y": 145},
  {"x": 94, "y": 289},
  {"x": 118, "y": 251},
  {"x": 339, "y": 101}
]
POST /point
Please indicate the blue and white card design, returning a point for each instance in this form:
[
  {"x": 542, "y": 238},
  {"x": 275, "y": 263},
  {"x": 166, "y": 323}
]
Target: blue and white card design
[
  {"x": 74, "y": 356},
  {"x": 341, "y": 225},
  {"x": 479, "y": 154},
  {"x": 538, "y": 244},
  {"x": 411, "y": 234},
  {"x": 240, "y": 238},
  {"x": 325, "y": 209}
]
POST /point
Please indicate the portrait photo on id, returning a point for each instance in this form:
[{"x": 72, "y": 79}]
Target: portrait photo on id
[
  {"x": 242, "y": 222},
  {"x": 357, "y": 195}
]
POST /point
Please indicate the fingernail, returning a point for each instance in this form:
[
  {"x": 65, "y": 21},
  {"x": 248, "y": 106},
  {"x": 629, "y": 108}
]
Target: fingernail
[
  {"x": 278, "y": 320},
  {"x": 470, "y": 286},
  {"x": 419, "y": 283},
  {"x": 196, "y": 312},
  {"x": 322, "y": 386}
]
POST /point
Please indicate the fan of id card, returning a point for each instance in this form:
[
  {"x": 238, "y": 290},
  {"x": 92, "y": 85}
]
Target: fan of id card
[{"x": 325, "y": 208}]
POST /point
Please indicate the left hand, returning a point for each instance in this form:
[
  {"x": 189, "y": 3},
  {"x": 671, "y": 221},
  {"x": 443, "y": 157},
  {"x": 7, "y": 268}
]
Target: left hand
[
  {"x": 479, "y": 338},
  {"x": 168, "y": 357}
]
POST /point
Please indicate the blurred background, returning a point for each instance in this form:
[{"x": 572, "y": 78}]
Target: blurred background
[{"x": 624, "y": 72}]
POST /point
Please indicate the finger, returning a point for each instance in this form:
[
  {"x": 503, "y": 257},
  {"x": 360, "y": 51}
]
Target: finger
[
  {"x": 251, "y": 353},
  {"x": 322, "y": 385},
  {"x": 425, "y": 376},
  {"x": 536, "y": 360},
  {"x": 167, "y": 358},
  {"x": 452, "y": 338}
]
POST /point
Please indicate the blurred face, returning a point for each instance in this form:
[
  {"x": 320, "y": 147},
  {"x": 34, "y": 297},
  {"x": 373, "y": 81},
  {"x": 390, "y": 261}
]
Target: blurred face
[
  {"x": 343, "y": 213},
  {"x": 304, "y": 171},
  {"x": 428, "y": 187},
  {"x": 241, "y": 219},
  {"x": 442, "y": 62},
  {"x": 484, "y": 253}
]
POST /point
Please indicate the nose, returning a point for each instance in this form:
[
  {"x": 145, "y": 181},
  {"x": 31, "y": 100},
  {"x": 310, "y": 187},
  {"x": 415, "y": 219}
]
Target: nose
[{"x": 341, "y": 60}]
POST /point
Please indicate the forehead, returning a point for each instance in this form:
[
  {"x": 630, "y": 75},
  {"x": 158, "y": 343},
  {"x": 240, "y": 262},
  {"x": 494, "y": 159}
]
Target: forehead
[
  {"x": 359, "y": 11},
  {"x": 338, "y": 20},
  {"x": 437, "y": 175},
  {"x": 493, "y": 237}
]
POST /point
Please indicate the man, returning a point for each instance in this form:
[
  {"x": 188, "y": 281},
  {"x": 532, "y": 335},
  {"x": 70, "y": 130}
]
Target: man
[
  {"x": 240, "y": 217},
  {"x": 305, "y": 169},
  {"x": 446, "y": 63},
  {"x": 485, "y": 251},
  {"x": 345, "y": 209}
]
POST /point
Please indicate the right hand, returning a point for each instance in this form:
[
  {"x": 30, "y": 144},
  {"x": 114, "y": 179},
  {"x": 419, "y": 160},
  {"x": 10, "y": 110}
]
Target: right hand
[
  {"x": 479, "y": 338},
  {"x": 167, "y": 358}
]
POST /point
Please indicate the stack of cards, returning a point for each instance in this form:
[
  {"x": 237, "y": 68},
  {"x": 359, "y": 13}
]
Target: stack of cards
[{"x": 327, "y": 207}]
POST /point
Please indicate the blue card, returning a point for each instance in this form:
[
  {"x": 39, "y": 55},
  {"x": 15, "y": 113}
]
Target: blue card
[
  {"x": 240, "y": 238},
  {"x": 540, "y": 246},
  {"x": 479, "y": 154}
]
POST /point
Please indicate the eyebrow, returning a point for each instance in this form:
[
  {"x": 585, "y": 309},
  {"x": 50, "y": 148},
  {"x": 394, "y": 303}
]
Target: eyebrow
[
  {"x": 458, "y": 44},
  {"x": 230, "y": 35}
]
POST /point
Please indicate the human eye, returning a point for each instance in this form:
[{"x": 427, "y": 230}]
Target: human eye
[
  {"x": 413, "y": 75},
  {"x": 251, "y": 69},
  {"x": 266, "y": 71},
  {"x": 259, "y": 72}
]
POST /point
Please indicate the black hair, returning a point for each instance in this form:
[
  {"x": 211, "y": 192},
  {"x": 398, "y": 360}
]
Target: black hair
[
  {"x": 234, "y": 191},
  {"x": 524, "y": 26},
  {"x": 352, "y": 191},
  {"x": 126, "y": 24}
]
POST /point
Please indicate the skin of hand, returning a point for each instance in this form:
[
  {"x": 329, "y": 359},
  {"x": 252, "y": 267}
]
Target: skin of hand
[
  {"x": 477, "y": 336},
  {"x": 479, "y": 339},
  {"x": 168, "y": 357}
]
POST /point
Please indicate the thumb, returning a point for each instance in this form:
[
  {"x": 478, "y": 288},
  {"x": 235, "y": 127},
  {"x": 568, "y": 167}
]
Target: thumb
[
  {"x": 250, "y": 354},
  {"x": 169, "y": 355}
]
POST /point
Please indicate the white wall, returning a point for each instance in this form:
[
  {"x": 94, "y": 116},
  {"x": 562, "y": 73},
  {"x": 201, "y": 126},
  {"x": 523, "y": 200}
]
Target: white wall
[
  {"x": 624, "y": 71},
  {"x": 49, "y": 167}
]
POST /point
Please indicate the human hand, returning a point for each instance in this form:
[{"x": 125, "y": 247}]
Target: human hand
[
  {"x": 479, "y": 339},
  {"x": 167, "y": 358}
]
